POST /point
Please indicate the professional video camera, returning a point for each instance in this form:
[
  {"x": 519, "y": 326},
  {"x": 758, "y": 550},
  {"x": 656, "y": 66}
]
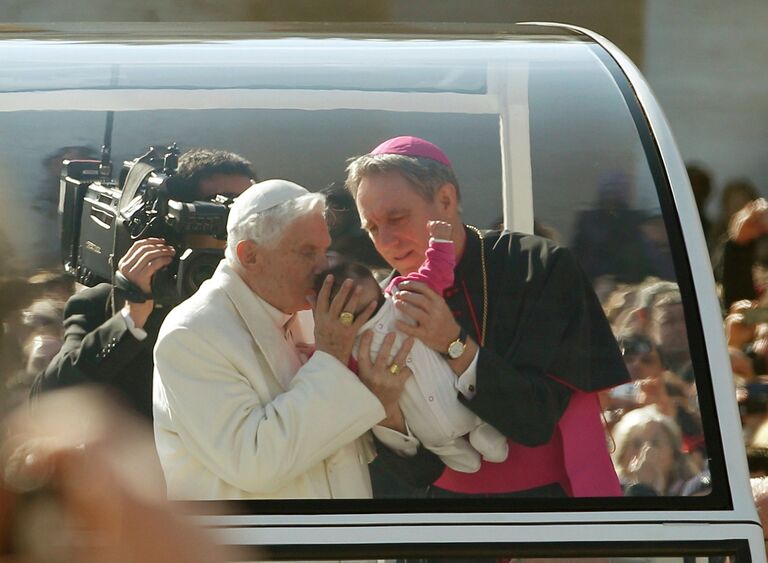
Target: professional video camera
[{"x": 101, "y": 218}]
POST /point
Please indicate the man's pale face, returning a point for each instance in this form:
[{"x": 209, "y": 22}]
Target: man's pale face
[
  {"x": 395, "y": 217},
  {"x": 288, "y": 270}
]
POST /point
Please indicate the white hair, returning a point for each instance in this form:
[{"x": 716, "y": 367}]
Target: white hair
[{"x": 267, "y": 227}]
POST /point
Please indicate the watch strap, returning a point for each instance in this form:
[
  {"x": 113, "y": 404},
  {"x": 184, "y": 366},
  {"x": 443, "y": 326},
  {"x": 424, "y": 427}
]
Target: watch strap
[{"x": 129, "y": 290}]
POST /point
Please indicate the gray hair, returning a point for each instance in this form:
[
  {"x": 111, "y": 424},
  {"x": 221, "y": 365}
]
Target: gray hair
[
  {"x": 424, "y": 174},
  {"x": 267, "y": 227}
]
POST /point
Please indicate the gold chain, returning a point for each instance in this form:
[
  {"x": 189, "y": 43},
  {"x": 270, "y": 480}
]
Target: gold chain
[{"x": 485, "y": 282}]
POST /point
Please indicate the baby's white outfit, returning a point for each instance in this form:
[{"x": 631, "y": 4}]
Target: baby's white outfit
[{"x": 430, "y": 403}]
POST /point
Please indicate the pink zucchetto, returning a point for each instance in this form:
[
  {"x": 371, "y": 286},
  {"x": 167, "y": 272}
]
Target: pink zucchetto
[{"x": 412, "y": 146}]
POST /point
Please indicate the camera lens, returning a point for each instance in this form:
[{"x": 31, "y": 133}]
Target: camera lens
[{"x": 197, "y": 265}]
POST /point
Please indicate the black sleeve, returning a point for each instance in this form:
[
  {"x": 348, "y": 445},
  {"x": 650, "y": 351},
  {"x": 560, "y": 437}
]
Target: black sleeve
[
  {"x": 409, "y": 473},
  {"x": 525, "y": 408},
  {"x": 96, "y": 347},
  {"x": 552, "y": 337}
]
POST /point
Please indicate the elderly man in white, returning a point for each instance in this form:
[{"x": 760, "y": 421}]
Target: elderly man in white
[{"x": 236, "y": 414}]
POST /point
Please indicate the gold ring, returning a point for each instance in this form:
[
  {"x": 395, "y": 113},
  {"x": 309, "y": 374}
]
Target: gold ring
[
  {"x": 346, "y": 318},
  {"x": 394, "y": 369}
]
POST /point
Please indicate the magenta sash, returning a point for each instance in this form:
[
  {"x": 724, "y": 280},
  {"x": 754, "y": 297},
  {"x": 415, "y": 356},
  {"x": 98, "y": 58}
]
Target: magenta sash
[{"x": 576, "y": 457}]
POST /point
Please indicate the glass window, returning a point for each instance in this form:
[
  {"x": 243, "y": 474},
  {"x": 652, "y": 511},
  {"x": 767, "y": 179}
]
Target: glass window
[{"x": 544, "y": 135}]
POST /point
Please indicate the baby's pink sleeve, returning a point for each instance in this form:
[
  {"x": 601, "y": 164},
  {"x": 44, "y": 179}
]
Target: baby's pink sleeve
[{"x": 436, "y": 270}]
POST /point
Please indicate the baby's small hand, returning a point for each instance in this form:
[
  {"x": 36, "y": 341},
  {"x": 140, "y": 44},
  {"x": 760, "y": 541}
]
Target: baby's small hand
[{"x": 440, "y": 230}]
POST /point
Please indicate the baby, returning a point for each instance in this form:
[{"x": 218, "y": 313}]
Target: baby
[{"x": 429, "y": 401}]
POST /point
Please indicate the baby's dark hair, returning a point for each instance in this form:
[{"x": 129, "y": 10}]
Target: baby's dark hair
[{"x": 342, "y": 271}]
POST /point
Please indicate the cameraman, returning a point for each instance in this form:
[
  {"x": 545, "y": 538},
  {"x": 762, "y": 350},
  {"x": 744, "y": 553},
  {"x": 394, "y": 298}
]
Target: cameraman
[{"x": 108, "y": 340}]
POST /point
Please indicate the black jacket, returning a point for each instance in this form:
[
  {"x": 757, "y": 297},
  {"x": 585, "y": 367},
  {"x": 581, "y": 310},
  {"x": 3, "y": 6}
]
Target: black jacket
[{"x": 99, "y": 348}]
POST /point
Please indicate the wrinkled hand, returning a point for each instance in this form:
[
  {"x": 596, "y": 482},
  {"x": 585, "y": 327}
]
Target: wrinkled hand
[
  {"x": 331, "y": 336},
  {"x": 376, "y": 375},
  {"x": 435, "y": 324}
]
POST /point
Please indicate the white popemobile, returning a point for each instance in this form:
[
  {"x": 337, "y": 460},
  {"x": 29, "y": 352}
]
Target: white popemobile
[{"x": 540, "y": 120}]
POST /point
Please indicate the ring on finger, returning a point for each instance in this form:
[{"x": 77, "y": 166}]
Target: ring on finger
[
  {"x": 394, "y": 369},
  {"x": 346, "y": 318}
]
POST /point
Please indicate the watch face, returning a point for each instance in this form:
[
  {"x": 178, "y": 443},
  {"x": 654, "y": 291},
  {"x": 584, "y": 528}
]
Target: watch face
[{"x": 456, "y": 349}]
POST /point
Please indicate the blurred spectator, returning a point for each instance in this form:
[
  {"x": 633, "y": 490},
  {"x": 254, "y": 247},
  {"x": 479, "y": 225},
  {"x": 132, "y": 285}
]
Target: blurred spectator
[
  {"x": 747, "y": 331},
  {"x": 683, "y": 407},
  {"x": 656, "y": 243},
  {"x": 54, "y": 284},
  {"x": 618, "y": 303},
  {"x": 15, "y": 293},
  {"x": 81, "y": 483},
  {"x": 653, "y": 384},
  {"x": 30, "y": 325},
  {"x": 39, "y": 336},
  {"x": 739, "y": 331},
  {"x": 647, "y": 372},
  {"x": 753, "y": 408},
  {"x": 649, "y": 457},
  {"x": 757, "y": 449},
  {"x": 747, "y": 346},
  {"x": 741, "y": 365},
  {"x": 628, "y": 305},
  {"x": 760, "y": 494},
  {"x": 741, "y": 252},
  {"x": 666, "y": 327},
  {"x": 608, "y": 239},
  {"x": 658, "y": 313},
  {"x": 735, "y": 195},
  {"x": 701, "y": 185}
]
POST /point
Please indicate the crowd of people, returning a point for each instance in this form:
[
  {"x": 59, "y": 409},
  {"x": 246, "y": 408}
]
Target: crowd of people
[{"x": 491, "y": 364}]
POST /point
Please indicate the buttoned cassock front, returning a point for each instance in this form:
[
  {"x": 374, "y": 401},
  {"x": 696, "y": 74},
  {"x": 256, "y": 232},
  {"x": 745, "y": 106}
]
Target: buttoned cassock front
[{"x": 237, "y": 416}]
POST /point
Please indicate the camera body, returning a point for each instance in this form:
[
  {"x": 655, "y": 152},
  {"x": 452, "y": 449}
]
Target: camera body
[{"x": 101, "y": 218}]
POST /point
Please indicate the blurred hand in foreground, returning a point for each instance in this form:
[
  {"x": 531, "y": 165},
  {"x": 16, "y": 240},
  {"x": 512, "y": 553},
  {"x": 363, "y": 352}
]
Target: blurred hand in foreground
[{"x": 81, "y": 482}]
